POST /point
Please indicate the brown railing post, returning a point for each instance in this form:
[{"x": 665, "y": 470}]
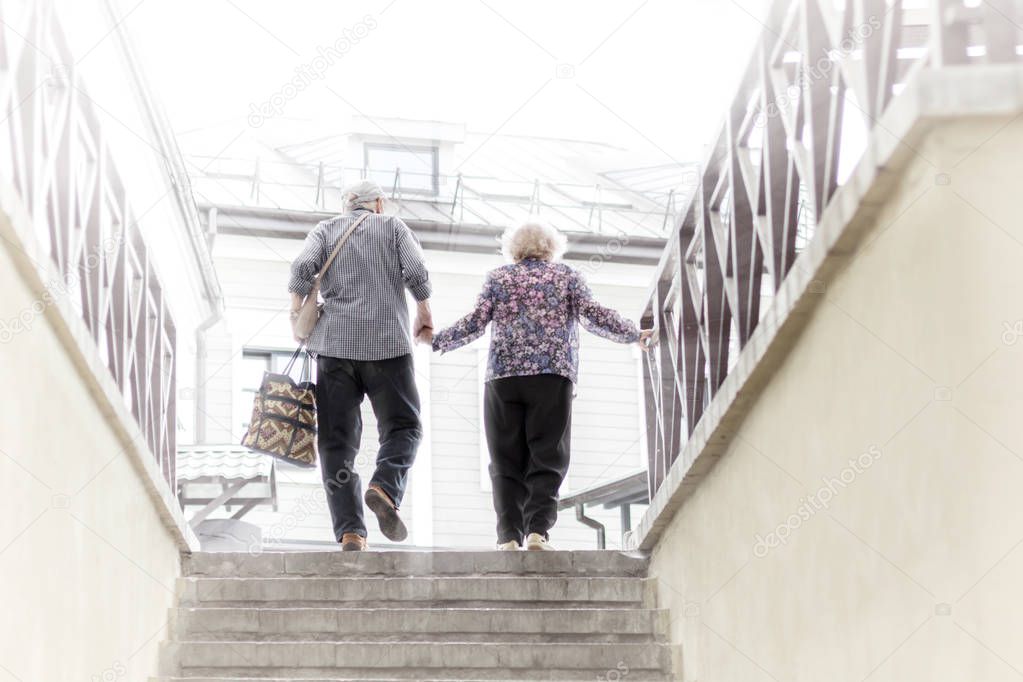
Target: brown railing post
[{"x": 86, "y": 221}]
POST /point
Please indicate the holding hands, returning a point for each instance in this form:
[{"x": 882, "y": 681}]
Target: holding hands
[{"x": 425, "y": 336}]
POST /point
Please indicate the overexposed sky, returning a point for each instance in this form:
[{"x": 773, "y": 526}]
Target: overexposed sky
[{"x": 653, "y": 76}]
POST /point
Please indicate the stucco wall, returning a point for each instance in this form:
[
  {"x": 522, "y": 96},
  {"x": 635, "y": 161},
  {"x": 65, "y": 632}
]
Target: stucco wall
[
  {"x": 87, "y": 566},
  {"x": 904, "y": 564}
]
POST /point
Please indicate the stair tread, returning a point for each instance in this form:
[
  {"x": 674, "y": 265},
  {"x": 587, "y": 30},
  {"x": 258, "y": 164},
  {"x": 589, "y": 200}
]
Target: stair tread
[
  {"x": 552, "y": 675},
  {"x": 478, "y": 611},
  {"x": 391, "y": 645},
  {"x": 432, "y": 676},
  {"x": 444, "y": 562},
  {"x": 465, "y": 590},
  {"x": 318, "y": 623},
  {"x": 446, "y": 579},
  {"x": 467, "y": 655}
]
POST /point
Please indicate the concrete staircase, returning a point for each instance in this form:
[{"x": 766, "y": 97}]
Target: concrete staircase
[{"x": 304, "y": 616}]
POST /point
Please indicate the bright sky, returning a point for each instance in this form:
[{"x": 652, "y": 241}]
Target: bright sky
[{"x": 651, "y": 75}]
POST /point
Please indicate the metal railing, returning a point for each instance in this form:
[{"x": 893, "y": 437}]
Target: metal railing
[
  {"x": 480, "y": 199},
  {"x": 774, "y": 167},
  {"x": 53, "y": 152}
]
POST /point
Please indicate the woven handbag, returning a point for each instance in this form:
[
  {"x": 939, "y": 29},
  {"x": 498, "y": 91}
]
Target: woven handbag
[{"x": 284, "y": 416}]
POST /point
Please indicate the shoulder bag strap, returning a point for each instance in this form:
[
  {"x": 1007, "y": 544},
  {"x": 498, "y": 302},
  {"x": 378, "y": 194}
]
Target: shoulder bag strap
[{"x": 340, "y": 243}]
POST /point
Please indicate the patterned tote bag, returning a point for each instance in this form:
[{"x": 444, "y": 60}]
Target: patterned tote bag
[{"x": 284, "y": 416}]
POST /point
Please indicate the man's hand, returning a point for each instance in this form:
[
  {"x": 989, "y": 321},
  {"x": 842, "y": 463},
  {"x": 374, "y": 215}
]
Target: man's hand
[
  {"x": 647, "y": 340},
  {"x": 420, "y": 324},
  {"x": 422, "y": 328}
]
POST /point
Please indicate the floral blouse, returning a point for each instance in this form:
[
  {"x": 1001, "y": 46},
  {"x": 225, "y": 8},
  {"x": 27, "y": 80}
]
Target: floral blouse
[{"x": 534, "y": 306}]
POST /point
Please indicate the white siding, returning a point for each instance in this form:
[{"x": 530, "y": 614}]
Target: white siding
[
  {"x": 605, "y": 429},
  {"x": 218, "y": 387},
  {"x": 606, "y": 440}
]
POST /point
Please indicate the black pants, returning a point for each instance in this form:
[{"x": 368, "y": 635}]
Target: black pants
[
  {"x": 340, "y": 388},
  {"x": 528, "y": 421}
]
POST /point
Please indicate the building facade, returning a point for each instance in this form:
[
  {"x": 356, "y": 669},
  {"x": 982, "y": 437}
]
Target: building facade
[{"x": 257, "y": 211}]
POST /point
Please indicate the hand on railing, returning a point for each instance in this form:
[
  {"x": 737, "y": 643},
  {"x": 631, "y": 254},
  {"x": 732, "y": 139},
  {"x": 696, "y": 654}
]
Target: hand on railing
[{"x": 647, "y": 340}]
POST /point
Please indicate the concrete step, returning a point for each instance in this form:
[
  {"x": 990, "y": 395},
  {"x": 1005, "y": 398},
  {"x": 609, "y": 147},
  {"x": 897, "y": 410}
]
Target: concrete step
[
  {"x": 622, "y": 674},
  {"x": 413, "y": 563},
  {"x": 415, "y": 660},
  {"x": 441, "y": 616},
  {"x": 444, "y": 590},
  {"x": 413, "y": 624}
]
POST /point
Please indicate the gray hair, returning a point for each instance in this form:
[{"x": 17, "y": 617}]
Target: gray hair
[
  {"x": 533, "y": 240},
  {"x": 362, "y": 194}
]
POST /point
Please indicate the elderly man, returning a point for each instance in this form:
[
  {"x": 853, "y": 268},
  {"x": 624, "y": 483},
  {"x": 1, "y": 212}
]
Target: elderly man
[{"x": 363, "y": 346}]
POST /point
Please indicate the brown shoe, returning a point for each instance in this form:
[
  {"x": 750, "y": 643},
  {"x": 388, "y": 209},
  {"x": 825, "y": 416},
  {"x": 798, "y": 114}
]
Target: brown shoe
[
  {"x": 352, "y": 542},
  {"x": 380, "y": 504}
]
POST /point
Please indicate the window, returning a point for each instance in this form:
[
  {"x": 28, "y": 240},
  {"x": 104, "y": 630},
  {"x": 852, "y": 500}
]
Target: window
[{"x": 418, "y": 165}]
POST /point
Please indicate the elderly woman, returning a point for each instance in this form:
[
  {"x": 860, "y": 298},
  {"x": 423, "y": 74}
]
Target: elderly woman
[{"x": 534, "y": 304}]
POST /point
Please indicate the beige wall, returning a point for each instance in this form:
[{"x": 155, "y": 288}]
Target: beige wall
[
  {"x": 87, "y": 566},
  {"x": 912, "y": 572}
]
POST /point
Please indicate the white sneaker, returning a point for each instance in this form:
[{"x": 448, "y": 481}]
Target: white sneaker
[
  {"x": 538, "y": 543},
  {"x": 510, "y": 546}
]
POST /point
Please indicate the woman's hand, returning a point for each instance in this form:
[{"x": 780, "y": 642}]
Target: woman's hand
[{"x": 647, "y": 340}]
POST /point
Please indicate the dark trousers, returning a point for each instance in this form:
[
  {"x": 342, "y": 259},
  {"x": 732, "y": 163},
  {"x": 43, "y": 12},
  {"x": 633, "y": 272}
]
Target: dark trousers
[
  {"x": 528, "y": 421},
  {"x": 340, "y": 388}
]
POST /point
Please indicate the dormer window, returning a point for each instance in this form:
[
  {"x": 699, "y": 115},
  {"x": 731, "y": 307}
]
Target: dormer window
[{"x": 418, "y": 166}]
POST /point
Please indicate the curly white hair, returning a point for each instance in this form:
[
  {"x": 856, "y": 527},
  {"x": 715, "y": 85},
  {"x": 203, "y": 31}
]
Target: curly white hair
[{"x": 533, "y": 240}]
